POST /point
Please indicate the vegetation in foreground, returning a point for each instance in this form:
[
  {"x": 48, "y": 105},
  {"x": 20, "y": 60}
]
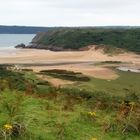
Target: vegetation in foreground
[
  {"x": 42, "y": 112},
  {"x": 76, "y": 38}
]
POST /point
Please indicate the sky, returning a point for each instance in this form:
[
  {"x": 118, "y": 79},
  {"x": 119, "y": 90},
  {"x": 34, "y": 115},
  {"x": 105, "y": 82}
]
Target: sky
[{"x": 70, "y": 12}]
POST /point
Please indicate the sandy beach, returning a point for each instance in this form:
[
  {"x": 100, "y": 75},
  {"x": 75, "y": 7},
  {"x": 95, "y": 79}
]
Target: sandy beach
[
  {"x": 80, "y": 61},
  {"x": 45, "y": 56}
]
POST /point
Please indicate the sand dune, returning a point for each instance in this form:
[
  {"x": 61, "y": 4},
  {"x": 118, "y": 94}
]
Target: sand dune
[{"x": 42, "y": 56}]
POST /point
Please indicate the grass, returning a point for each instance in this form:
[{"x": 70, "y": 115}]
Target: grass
[
  {"x": 109, "y": 63},
  {"x": 45, "y": 119},
  {"x": 111, "y": 50},
  {"x": 94, "y": 109},
  {"x": 127, "y": 82}
]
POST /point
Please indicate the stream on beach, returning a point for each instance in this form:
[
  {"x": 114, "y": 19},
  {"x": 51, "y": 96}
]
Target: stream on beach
[{"x": 129, "y": 69}]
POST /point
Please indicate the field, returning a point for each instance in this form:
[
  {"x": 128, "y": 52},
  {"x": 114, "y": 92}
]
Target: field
[{"x": 96, "y": 109}]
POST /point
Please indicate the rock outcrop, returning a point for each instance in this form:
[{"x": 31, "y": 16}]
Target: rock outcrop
[{"x": 20, "y": 46}]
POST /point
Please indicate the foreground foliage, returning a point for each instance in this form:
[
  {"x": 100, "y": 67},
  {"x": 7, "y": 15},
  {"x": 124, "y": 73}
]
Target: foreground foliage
[{"x": 43, "y": 112}]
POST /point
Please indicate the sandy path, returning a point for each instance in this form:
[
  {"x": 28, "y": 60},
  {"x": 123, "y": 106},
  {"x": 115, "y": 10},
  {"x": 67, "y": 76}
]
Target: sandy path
[{"x": 55, "y": 81}]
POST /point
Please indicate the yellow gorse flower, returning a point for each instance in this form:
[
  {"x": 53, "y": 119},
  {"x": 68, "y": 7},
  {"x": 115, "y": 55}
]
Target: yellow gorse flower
[
  {"x": 8, "y": 126},
  {"x": 94, "y": 139},
  {"x": 92, "y": 114}
]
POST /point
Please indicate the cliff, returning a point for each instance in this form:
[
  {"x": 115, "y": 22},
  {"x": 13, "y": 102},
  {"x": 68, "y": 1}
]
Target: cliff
[{"x": 77, "y": 38}]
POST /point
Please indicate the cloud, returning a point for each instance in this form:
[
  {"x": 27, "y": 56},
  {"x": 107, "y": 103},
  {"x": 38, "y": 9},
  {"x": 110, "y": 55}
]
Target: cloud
[{"x": 70, "y": 12}]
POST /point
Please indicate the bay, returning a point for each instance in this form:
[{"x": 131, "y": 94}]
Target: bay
[{"x": 11, "y": 40}]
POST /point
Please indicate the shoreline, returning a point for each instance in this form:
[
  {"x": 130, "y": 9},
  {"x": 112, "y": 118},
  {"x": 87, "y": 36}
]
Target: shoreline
[{"x": 6, "y": 51}]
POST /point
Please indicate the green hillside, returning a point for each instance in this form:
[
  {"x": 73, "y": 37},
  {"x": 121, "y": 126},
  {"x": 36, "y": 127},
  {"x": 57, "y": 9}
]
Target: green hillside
[
  {"x": 75, "y": 38},
  {"x": 33, "y": 109}
]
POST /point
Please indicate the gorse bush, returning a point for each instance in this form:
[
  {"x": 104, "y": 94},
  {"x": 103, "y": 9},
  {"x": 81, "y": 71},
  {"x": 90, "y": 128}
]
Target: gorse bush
[
  {"x": 12, "y": 124},
  {"x": 11, "y": 80}
]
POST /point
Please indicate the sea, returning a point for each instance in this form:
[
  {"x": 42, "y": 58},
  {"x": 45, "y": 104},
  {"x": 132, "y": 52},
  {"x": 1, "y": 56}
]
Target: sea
[{"x": 9, "y": 41}]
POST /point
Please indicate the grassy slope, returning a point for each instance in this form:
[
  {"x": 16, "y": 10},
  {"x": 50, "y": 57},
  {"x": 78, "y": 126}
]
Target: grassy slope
[
  {"x": 46, "y": 116},
  {"x": 76, "y": 38},
  {"x": 127, "y": 82},
  {"x": 45, "y": 119}
]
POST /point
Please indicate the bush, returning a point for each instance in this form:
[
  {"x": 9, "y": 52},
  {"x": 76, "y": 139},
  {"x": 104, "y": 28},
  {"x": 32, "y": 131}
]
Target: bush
[{"x": 66, "y": 75}]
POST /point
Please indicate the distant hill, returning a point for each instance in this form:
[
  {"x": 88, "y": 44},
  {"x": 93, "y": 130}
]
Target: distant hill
[
  {"x": 76, "y": 38},
  {"x": 34, "y": 30},
  {"x": 22, "y": 29}
]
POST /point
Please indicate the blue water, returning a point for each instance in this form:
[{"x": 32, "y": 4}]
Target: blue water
[{"x": 11, "y": 40}]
